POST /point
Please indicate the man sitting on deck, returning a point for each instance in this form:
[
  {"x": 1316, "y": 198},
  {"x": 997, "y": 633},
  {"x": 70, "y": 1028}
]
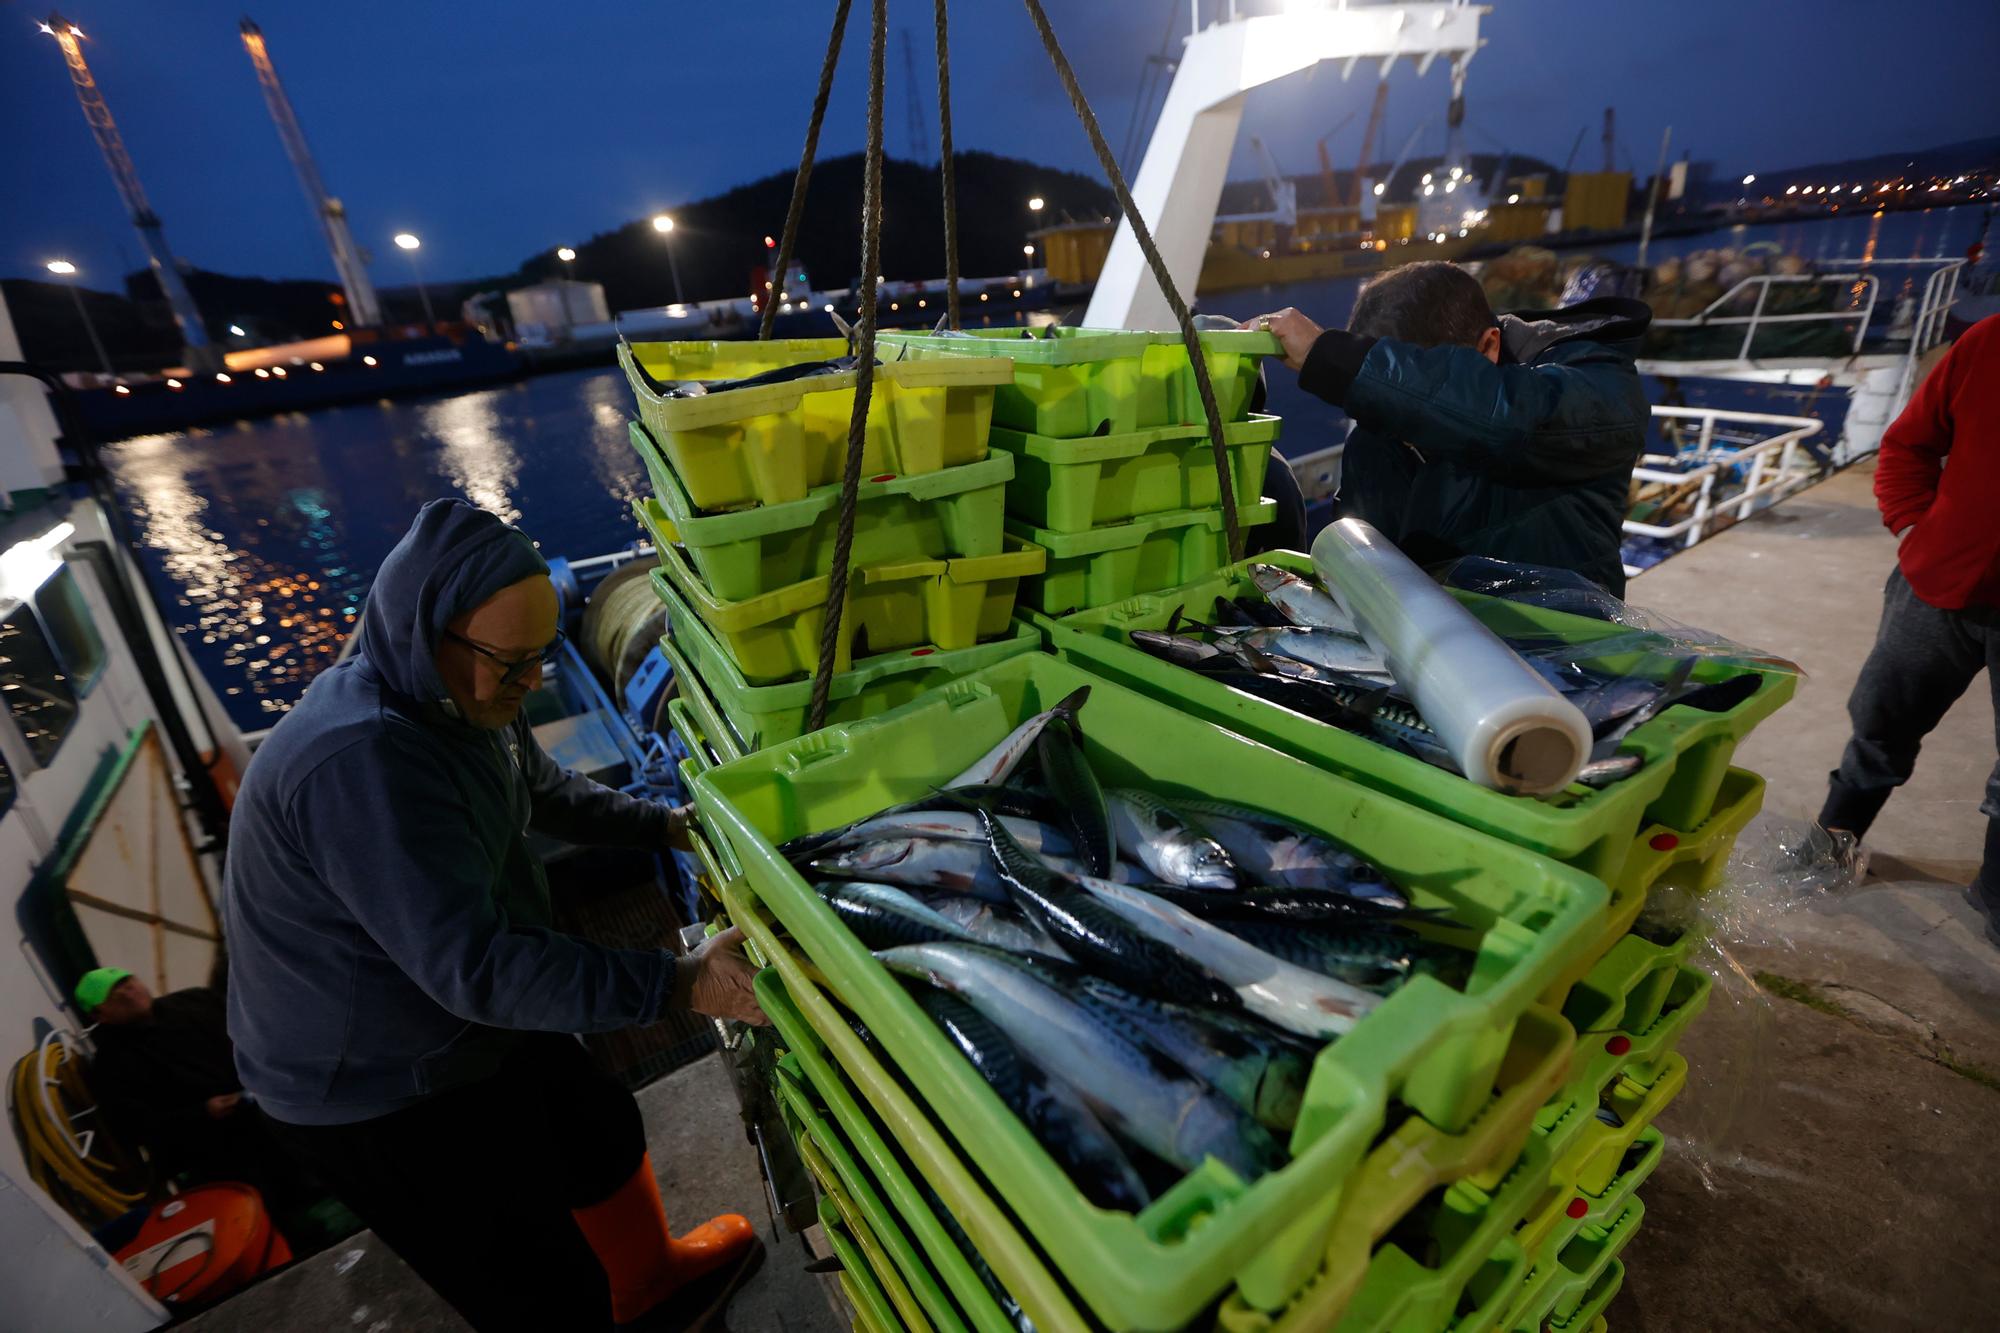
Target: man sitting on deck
[
  {"x": 1513, "y": 438},
  {"x": 401, "y": 1006},
  {"x": 165, "y": 1076}
]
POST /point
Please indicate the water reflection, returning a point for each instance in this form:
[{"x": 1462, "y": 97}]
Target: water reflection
[
  {"x": 261, "y": 539},
  {"x": 478, "y": 458}
]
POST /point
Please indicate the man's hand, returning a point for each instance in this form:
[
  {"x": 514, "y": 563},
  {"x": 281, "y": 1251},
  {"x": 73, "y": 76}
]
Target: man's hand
[
  {"x": 678, "y": 819},
  {"x": 1295, "y": 332},
  {"x": 721, "y": 987},
  {"x": 221, "y": 1108}
]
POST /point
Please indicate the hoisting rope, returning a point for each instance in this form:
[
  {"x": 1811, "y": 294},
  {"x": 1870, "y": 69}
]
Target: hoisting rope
[
  {"x": 1159, "y": 267},
  {"x": 945, "y": 170},
  {"x": 798, "y": 205},
  {"x": 864, "y": 367}
]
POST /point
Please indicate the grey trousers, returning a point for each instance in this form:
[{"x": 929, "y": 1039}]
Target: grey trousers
[{"x": 1923, "y": 660}]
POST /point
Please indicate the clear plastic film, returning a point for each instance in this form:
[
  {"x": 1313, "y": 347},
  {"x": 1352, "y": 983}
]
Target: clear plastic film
[
  {"x": 1744, "y": 928},
  {"x": 1659, "y": 639}
]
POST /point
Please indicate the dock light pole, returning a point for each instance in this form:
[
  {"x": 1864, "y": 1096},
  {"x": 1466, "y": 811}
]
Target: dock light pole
[
  {"x": 665, "y": 226},
  {"x": 62, "y": 268},
  {"x": 568, "y": 257},
  {"x": 409, "y": 244}
]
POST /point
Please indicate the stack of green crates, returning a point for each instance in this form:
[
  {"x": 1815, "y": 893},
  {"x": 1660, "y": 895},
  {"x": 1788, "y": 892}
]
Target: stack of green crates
[
  {"x": 744, "y": 514},
  {"x": 1455, "y": 1077},
  {"x": 1631, "y": 990},
  {"x": 1114, "y": 472}
]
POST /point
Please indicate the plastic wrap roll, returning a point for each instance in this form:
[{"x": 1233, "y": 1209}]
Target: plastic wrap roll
[{"x": 1508, "y": 728}]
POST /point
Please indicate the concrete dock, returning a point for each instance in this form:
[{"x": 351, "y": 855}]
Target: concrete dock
[
  {"x": 1845, "y": 1177},
  {"x": 1857, "y": 1185}
]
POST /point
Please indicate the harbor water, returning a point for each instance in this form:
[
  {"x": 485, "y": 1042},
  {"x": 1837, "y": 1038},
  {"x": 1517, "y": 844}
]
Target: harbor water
[{"x": 262, "y": 538}]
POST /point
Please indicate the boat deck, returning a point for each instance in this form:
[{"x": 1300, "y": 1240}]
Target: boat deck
[{"x": 1858, "y": 1187}]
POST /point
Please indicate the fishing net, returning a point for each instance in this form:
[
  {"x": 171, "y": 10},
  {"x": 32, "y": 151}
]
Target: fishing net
[{"x": 1744, "y": 930}]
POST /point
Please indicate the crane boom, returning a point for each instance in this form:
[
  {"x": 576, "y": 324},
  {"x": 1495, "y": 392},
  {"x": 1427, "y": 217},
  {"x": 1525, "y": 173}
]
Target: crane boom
[
  {"x": 1361, "y": 190},
  {"x": 98, "y": 115},
  {"x": 348, "y": 263}
]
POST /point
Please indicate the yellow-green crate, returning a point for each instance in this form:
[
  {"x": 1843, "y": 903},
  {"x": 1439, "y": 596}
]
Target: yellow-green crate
[{"x": 769, "y": 444}]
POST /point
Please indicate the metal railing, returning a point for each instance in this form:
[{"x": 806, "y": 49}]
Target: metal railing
[
  {"x": 1940, "y": 288},
  {"x": 1775, "y": 469},
  {"x": 1775, "y": 461},
  {"x": 1711, "y": 316}
]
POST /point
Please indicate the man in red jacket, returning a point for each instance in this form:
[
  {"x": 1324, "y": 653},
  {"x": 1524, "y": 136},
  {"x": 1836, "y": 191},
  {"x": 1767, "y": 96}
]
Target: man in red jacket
[{"x": 1941, "y": 609}]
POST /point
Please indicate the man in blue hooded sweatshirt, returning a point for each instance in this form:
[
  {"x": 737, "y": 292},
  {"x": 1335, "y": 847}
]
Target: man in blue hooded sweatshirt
[{"x": 402, "y": 1009}]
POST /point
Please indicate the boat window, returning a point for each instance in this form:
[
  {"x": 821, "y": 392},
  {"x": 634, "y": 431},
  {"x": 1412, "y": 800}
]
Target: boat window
[
  {"x": 34, "y": 685},
  {"x": 66, "y": 617}
]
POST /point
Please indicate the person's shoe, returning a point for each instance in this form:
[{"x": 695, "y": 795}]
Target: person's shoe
[
  {"x": 1989, "y": 910},
  {"x": 709, "y": 1264}
]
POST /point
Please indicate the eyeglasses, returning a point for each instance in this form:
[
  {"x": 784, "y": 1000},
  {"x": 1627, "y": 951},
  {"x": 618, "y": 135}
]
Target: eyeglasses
[{"x": 513, "y": 672}]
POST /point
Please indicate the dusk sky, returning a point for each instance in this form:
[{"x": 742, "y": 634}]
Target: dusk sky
[{"x": 499, "y": 129}]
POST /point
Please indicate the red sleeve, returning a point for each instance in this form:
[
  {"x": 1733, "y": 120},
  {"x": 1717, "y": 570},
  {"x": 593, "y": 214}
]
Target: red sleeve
[{"x": 1915, "y": 445}]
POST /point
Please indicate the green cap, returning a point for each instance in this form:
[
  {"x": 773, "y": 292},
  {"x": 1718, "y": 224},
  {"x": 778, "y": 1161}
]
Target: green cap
[{"x": 95, "y": 985}]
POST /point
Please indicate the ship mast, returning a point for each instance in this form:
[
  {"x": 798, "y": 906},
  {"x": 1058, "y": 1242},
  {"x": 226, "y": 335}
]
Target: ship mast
[
  {"x": 348, "y": 262},
  {"x": 70, "y": 38}
]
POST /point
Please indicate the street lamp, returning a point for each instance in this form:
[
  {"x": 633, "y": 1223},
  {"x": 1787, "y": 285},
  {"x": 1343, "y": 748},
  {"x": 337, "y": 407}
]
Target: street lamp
[
  {"x": 408, "y": 244},
  {"x": 567, "y": 255},
  {"x": 62, "y": 268},
  {"x": 1035, "y": 204},
  {"x": 1751, "y": 179},
  {"x": 665, "y": 226}
]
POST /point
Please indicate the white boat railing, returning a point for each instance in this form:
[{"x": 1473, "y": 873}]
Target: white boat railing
[
  {"x": 1778, "y": 466},
  {"x": 1860, "y": 311}
]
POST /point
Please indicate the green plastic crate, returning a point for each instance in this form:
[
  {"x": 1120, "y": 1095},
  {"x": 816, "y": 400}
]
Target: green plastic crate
[
  {"x": 1548, "y": 1273},
  {"x": 1580, "y": 1288},
  {"x": 991, "y": 1228},
  {"x": 859, "y": 1224},
  {"x": 910, "y": 1267},
  {"x": 1111, "y": 564},
  {"x": 773, "y": 443},
  {"x": 1407, "y": 1164},
  {"x": 1432, "y": 1048},
  {"x": 759, "y": 716},
  {"x": 857, "y": 1281},
  {"x": 943, "y": 604},
  {"x": 700, "y": 704},
  {"x": 1693, "y": 861},
  {"x": 1590, "y": 1314},
  {"x": 866, "y": 1144},
  {"x": 1687, "y": 751},
  {"x": 1071, "y": 382},
  {"x": 745, "y": 552},
  {"x": 1075, "y": 485}
]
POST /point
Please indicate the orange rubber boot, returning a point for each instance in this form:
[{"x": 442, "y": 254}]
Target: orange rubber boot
[{"x": 643, "y": 1261}]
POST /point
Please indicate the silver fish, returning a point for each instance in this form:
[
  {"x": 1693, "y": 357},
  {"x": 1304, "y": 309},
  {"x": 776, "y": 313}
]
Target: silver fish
[
  {"x": 1273, "y": 989},
  {"x": 1180, "y": 649},
  {"x": 1672, "y": 689},
  {"x": 999, "y": 763},
  {"x": 951, "y": 826},
  {"x": 988, "y": 924},
  {"x": 1148, "y": 1099},
  {"x": 1604, "y": 772},
  {"x": 883, "y": 916},
  {"x": 1302, "y": 601},
  {"x": 1325, "y": 648},
  {"x": 1273, "y": 852},
  {"x": 1167, "y": 843},
  {"x": 930, "y": 863}
]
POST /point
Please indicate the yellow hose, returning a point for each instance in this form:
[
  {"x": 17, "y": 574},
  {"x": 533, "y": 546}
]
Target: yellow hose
[{"x": 90, "y": 1187}]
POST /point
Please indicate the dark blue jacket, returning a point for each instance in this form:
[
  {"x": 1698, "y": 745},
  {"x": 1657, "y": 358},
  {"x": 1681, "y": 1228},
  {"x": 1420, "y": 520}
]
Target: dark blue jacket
[
  {"x": 386, "y": 923},
  {"x": 1529, "y": 460}
]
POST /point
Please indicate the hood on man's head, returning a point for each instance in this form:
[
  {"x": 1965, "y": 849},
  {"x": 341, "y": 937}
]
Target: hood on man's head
[{"x": 455, "y": 556}]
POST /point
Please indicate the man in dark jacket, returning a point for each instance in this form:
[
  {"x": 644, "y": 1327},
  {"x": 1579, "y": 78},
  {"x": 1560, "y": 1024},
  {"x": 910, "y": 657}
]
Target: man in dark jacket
[
  {"x": 400, "y": 1004},
  {"x": 1513, "y": 438}
]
